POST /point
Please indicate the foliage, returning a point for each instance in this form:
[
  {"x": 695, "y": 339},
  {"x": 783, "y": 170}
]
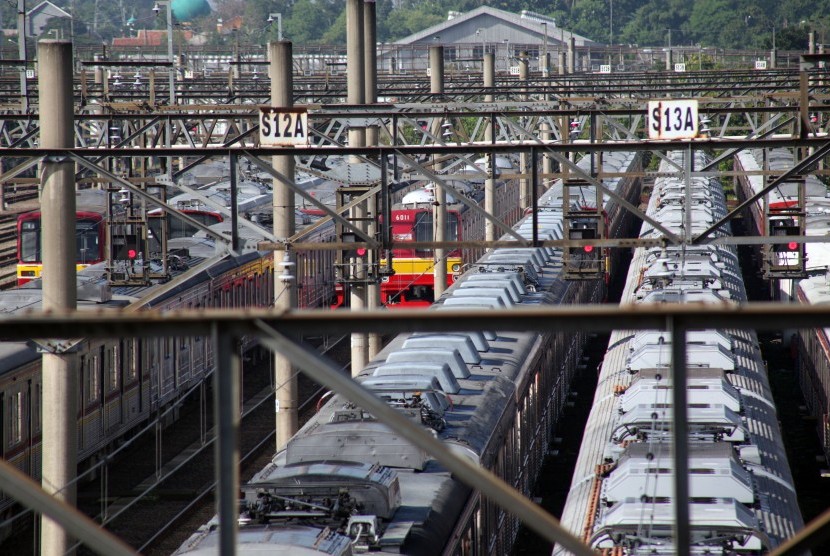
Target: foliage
[{"x": 708, "y": 23}]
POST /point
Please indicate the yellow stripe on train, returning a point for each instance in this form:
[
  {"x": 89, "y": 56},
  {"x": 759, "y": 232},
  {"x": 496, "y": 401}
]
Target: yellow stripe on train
[
  {"x": 422, "y": 266},
  {"x": 29, "y": 272}
]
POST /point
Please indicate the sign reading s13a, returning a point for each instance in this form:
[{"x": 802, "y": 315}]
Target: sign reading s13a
[
  {"x": 283, "y": 127},
  {"x": 672, "y": 119}
]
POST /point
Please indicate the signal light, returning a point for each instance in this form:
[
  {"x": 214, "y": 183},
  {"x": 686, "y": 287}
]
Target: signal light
[
  {"x": 785, "y": 227},
  {"x": 588, "y": 248},
  {"x": 131, "y": 254},
  {"x": 360, "y": 251}
]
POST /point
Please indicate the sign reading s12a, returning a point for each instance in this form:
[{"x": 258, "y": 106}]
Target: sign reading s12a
[
  {"x": 672, "y": 119},
  {"x": 283, "y": 127}
]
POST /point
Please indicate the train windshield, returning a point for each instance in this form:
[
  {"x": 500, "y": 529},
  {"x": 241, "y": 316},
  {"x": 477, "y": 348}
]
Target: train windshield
[
  {"x": 87, "y": 241},
  {"x": 423, "y": 230},
  {"x": 30, "y": 241}
]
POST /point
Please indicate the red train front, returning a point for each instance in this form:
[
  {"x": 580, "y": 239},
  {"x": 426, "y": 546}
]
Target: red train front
[{"x": 413, "y": 280}]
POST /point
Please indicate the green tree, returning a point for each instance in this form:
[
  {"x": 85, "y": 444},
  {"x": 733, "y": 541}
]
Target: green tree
[{"x": 309, "y": 20}]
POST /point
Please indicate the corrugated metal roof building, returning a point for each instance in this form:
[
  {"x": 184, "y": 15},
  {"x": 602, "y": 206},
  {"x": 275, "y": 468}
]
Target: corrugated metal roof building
[{"x": 466, "y": 36}]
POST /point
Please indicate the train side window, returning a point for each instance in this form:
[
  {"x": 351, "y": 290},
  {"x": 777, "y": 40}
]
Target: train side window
[
  {"x": 422, "y": 231},
  {"x": 16, "y": 418},
  {"x": 92, "y": 379},
  {"x": 86, "y": 240},
  {"x": 113, "y": 367},
  {"x": 37, "y": 392},
  {"x": 30, "y": 241},
  {"x": 131, "y": 357}
]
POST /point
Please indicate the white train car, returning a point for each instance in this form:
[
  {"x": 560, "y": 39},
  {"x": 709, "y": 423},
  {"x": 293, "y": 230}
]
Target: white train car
[
  {"x": 346, "y": 482},
  {"x": 742, "y": 499},
  {"x": 811, "y": 347}
]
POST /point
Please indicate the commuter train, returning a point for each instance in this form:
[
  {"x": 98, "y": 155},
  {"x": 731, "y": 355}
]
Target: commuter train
[
  {"x": 411, "y": 282},
  {"x": 91, "y": 232},
  {"x": 125, "y": 381},
  {"x": 741, "y": 494},
  {"x": 346, "y": 483},
  {"x": 811, "y": 347}
]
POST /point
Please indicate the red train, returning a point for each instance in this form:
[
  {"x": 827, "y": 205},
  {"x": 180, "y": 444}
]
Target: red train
[
  {"x": 90, "y": 232},
  {"x": 412, "y": 283}
]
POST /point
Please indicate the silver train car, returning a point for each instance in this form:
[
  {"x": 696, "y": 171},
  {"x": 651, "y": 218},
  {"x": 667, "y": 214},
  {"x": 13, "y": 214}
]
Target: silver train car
[
  {"x": 346, "y": 483},
  {"x": 742, "y": 499},
  {"x": 124, "y": 382},
  {"x": 810, "y": 347}
]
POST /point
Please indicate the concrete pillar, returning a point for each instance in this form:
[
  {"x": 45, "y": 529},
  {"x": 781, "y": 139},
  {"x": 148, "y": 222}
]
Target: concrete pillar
[
  {"x": 370, "y": 63},
  {"x": 547, "y": 159},
  {"x": 669, "y": 64},
  {"x": 565, "y": 134},
  {"x": 571, "y": 55},
  {"x": 22, "y": 54},
  {"x": 811, "y": 43},
  {"x": 285, "y": 289},
  {"x": 99, "y": 70},
  {"x": 436, "y": 66},
  {"x": 489, "y": 137},
  {"x": 439, "y": 207},
  {"x": 60, "y": 382},
  {"x": 561, "y": 62},
  {"x": 524, "y": 158},
  {"x": 226, "y": 395},
  {"x": 356, "y": 94},
  {"x": 489, "y": 74}
]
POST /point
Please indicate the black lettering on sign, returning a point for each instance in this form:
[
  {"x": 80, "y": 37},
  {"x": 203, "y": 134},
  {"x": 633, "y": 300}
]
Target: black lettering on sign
[
  {"x": 299, "y": 131},
  {"x": 286, "y": 132},
  {"x": 690, "y": 121},
  {"x": 265, "y": 123}
]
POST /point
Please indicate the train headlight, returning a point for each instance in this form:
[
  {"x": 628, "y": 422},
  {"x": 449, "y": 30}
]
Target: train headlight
[{"x": 456, "y": 267}]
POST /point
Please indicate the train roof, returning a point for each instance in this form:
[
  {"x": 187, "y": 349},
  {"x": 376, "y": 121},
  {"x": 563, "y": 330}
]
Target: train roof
[
  {"x": 86, "y": 200},
  {"x": 480, "y": 373},
  {"x": 95, "y": 293},
  {"x": 733, "y": 428}
]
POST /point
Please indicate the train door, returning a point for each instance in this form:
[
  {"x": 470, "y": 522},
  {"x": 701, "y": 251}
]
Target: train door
[
  {"x": 3, "y": 433},
  {"x": 168, "y": 364},
  {"x": 139, "y": 373}
]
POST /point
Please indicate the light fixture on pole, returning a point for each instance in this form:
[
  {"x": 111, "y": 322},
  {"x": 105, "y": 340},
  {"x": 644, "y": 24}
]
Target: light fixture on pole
[
  {"x": 171, "y": 78},
  {"x": 272, "y": 17},
  {"x": 170, "y": 73}
]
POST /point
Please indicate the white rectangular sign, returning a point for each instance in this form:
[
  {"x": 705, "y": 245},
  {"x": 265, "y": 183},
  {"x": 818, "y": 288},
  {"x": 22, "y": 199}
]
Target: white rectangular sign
[
  {"x": 605, "y": 68},
  {"x": 760, "y": 64},
  {"x": 283, "y": 127},
  {"x": 680, "y": 68},
  {"x": 672, "y": 119}
]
